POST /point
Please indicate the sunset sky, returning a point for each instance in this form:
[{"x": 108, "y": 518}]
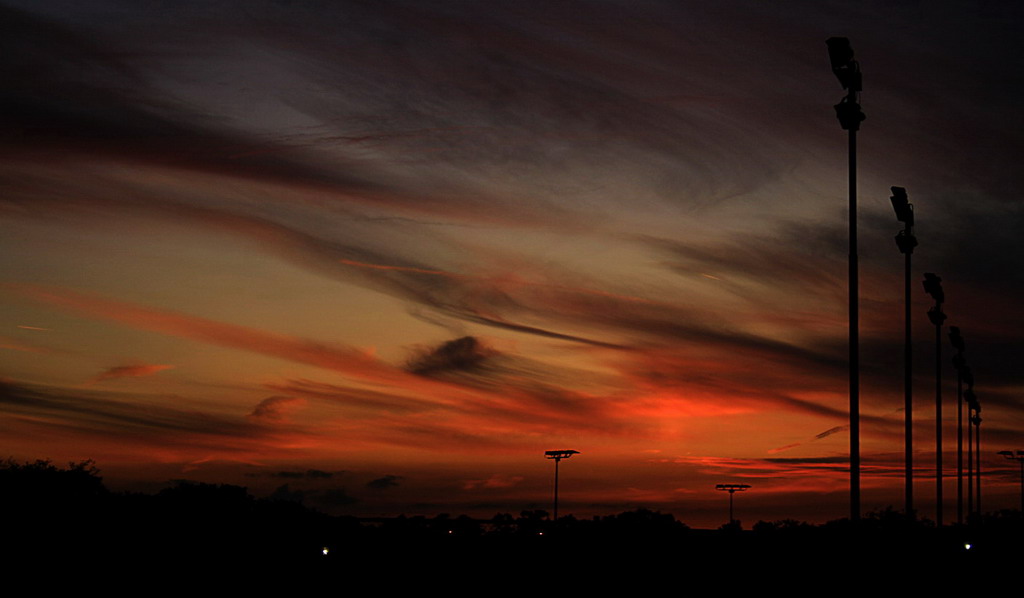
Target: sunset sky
[{"x": 380, "y": 256}]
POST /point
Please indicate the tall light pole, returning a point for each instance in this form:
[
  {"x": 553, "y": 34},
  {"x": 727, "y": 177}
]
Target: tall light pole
[
  {"x": 1019, "y": 458},
  {"x": 976, "y": 420},
  {"x": 933, "y": 286},
  {"x": 973, "y": 420},
  {"x": 558, "y": 456},
  {"x": 971, "y": 402},
  {"x": 847, "y": 70},
  {"x": 732, "y": 489},
  {"x": 906, "y": 242},
  {"x": 960, "y": 363}
]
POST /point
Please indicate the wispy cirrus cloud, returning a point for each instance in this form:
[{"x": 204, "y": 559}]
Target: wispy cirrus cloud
[
  {"x": 155, "y": 425},
  {"x": 128, "y": 371},
  {"x": 329, "y": 356}
]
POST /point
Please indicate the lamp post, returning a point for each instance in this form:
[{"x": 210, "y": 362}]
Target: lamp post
[
  {"x": 933, "y": 286},
  {"x": 906, "y": 242},
  {"x": 847, "y": 70},
  {"x": 558, "y": 456},
  {"x": 1019, "y": 458},
  {"x": 732, "y": 489},
  {"x": 960, "y": 363}
]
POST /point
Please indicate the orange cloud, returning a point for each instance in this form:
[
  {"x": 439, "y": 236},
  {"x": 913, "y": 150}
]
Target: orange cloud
[{"x": 18, "y": 345}]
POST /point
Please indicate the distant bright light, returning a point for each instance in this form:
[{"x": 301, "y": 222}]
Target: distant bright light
[
  {"x": 967, "y": 546},
  {"x": 325, "y": 551}
]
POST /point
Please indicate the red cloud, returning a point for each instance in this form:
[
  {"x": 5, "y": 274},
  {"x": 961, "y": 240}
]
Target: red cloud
[
  {"x": 129, "y": 371},
  {"x": 335, "y": 357}
]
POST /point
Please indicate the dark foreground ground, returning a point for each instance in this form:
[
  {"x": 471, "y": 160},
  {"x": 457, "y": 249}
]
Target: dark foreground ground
[{"x": 63, "y": 523}]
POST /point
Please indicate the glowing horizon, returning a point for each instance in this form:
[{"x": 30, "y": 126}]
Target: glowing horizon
[{"x": 381, "y": 257}]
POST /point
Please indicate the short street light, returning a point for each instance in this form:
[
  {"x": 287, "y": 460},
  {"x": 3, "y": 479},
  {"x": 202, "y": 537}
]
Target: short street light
[
  {"x": 558, "y": 456},
  {"x": 732, "y": 489}
]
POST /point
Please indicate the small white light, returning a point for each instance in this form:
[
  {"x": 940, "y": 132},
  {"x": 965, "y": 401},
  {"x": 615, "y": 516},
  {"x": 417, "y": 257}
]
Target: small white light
[
  {"x": 325, "y": 551},
  {"x": 967, "y": 546}
]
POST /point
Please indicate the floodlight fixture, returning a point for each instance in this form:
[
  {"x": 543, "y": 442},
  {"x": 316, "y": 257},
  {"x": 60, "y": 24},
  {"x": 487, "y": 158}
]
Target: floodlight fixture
[
  {"x": 933, "y": 286},
  {"x": 901, "y": 204},
  {"x": 845, "y": 68},
  {"x": 559, "y": 455},
  {"x": 906, "y": 242},
  {"x": 957, "y": 339},
  {"x": 968, "y": 377},
  {"x": 971, "y": 399},
  {"x": 733, "y": 487}
]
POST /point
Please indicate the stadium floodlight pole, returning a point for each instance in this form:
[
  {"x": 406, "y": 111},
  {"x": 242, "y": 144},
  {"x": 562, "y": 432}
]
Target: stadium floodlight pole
[
  {"x": 933, "y": 286},
  {"x": 1019, "y": 458},
  {"x": 732, "y": 489},
  {"x": 973, "y": 420},
  {"x": 960, "y": 364},
  {"x": 847, "y": 70},
  {"x": 976, "y": 420},
  {"x": 558, "y": 456},
  {"x": 906, "y": 242},
  {"x": 971, "y": 402}
]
